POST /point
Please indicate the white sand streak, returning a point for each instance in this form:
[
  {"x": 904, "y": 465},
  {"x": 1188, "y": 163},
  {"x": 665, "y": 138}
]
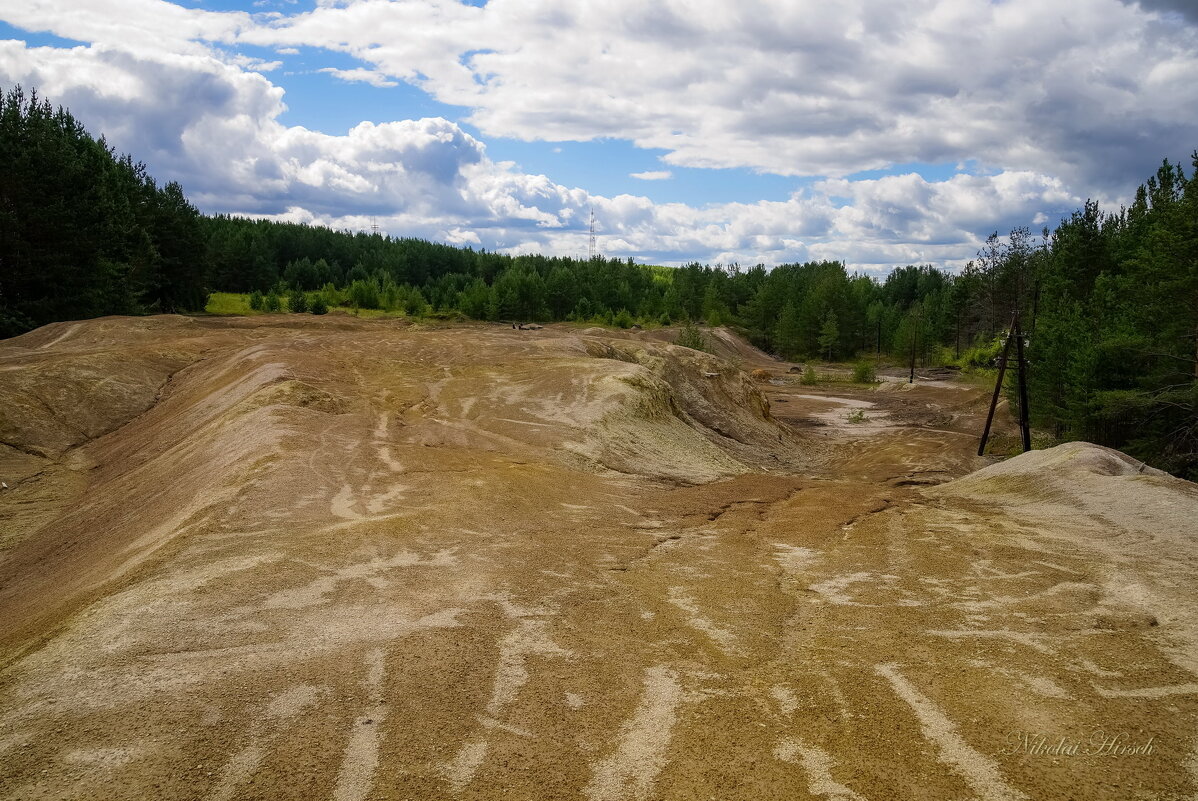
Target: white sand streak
[
  {"x": 722, "y": 637},
  {"x": 529, "y": 638},
  {"x": 238, "y": 770},
  {"x": 461, "y": 769},
  {"x": 978, "y": 771},
  {"x": 817, "y": 764},
  {"x": 1148, "y": 692},
  {"x": 362, "y": 753},
  {"x": 644, "y": 742}
]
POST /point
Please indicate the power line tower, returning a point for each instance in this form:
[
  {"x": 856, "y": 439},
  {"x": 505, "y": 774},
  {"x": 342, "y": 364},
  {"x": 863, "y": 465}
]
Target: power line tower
[
  {"x": 592, "y": 253},
  {"x": 374, "y": 226}
]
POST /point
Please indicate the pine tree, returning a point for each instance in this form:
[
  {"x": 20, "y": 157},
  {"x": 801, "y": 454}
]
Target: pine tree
[{"x": 829, "y": 335}]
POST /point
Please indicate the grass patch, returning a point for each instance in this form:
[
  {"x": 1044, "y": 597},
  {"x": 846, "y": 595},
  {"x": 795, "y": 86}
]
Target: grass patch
[
  {"x": 367, "y": 314},
  {"x": 1008, "y": 445},
  {"x": 229, "y": 303}
]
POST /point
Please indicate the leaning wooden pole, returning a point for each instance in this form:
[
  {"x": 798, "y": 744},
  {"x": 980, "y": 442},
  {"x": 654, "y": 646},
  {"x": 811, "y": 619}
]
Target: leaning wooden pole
[
  {"x": 1002, "y": 369},
  {"x": 1024, "y": 425}
]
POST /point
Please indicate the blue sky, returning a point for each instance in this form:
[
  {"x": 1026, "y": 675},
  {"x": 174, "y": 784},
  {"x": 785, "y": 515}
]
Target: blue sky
[{"x": 877, "y": 133}]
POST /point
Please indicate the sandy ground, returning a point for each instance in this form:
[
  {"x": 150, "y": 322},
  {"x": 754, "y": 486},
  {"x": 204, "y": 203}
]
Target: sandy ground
[{"x": 302, "y": 558}]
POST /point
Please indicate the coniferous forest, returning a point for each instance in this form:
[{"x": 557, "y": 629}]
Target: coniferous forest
[{"x": 1109, "y": 299}]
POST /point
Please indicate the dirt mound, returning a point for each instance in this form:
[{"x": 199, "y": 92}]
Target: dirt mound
[
  {"x": 672, "y": 389},
  {"x": 1080, "y": 477},
  {"x": 1071, "y": 461}
]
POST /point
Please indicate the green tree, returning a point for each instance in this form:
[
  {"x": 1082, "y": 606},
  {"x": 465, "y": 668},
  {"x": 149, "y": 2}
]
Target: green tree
[
  {"x": 689, "y": 336},
  {"x": 829, "y": 335},
  {"x": 297, "y": 301},
  {"x": 788, "y": 334}
]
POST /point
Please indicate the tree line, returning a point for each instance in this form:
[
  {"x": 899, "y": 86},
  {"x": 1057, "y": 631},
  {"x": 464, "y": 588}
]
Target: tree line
[{"x": 1109, "y": 300}]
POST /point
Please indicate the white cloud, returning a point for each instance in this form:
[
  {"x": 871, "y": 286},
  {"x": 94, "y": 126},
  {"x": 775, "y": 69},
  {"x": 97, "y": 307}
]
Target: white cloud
[
  {"x": 1050, "y": 108},
  {"x": 652, "y": 175},
  {"x": 359, "y": 75},
  {"x": 798, "y": 87}
]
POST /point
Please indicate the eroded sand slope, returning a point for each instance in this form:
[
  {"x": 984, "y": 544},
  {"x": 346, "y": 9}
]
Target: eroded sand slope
[{"x": 326, "y": 558}]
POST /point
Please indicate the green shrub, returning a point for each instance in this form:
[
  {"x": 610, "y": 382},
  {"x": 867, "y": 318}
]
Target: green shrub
[
  {"x": 318, "y": 305},
  {"x": 689, "y": 336},
  {"x": 272, "y": 302},
  {"x": 809, "y": 377},
  {"x": 364, "y": 295},
  {"x": 623, "y": 319},
  {"x": 256, "y": 300},
  {"x": 297, "y": 301},
  {"x": 864, "y": 373}
]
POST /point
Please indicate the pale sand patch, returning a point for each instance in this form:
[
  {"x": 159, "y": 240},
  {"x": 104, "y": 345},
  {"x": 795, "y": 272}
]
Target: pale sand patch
[
  {"x": 461, "y": 769},
  {"x": 833, "y": 589},
  {"x": 794, "y": 559},
  {"x": 361, "y": 760},
  {"x": 787, "y": 701},
  {"x": 386, "y": 458},
  {"x": 817, "y": 764},
  {"x": 379, "y": 503},
  {"x": 979, "y": 771},
  {"x": 575, "y": 701},
  {"x": 291, "y": 702},
  {"x": 630, "y": 771},
  {"x": 1148, "y": 692},
  {"x": 1045, "y": 686},
  {"x": 99, "y": 758},
  {"x": 314, "y": 593},
  {"x": 1014, "y": 636},
  {"x": 236, "y": 771},
  {"x": 529, "y": 638},
  {"x": 722, "y": 637},
  {"x": 342, "y": 504},
  {"x": 1090, "y": 667},
  {"x": 70, "y": 330},
  {"x": 240, "y": 768}
]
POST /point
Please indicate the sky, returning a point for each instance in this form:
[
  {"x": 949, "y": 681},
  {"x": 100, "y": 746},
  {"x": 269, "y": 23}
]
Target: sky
[{"x": 875, "y": 132}]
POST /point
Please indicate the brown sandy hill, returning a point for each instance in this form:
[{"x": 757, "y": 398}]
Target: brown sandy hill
[{"x": 325, "y": 558}]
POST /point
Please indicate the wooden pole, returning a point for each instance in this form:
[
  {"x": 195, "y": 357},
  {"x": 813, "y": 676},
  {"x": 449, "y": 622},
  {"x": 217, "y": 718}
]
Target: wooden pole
[
  {"x": 914, "y": 342},
  {"x": 914, "y": 337},
  {"x": 1002, "y": 369},
  {"x": 1024, "y": 426}
]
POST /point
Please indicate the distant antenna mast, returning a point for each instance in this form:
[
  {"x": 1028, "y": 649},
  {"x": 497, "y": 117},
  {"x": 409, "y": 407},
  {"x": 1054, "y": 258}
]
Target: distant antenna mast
[
  {"x": 374, "y": 226},
  {"x": 592, "y": 253}
]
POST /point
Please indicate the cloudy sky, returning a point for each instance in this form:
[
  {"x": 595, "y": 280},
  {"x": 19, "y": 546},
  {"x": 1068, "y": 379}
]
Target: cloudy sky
[{"x": 877, "y": 132}]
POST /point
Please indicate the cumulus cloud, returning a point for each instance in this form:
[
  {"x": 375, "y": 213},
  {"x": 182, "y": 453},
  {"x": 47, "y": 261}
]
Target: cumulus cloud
[
  {"x": 360, "y": 75},
  {"x": 798, "y": 87},
  {"x": 652, "y": 175},
  {"x": 1053, "y": 108},
  {"x": 1187, "y": 9}
]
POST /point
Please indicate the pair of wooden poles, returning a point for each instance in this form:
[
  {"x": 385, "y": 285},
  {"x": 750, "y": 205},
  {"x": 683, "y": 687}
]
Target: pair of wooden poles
[{"x": 1016, "y": 335}]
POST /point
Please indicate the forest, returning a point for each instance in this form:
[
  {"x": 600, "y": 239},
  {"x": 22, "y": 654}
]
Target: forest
[{"x": 1108, "y": 299}]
